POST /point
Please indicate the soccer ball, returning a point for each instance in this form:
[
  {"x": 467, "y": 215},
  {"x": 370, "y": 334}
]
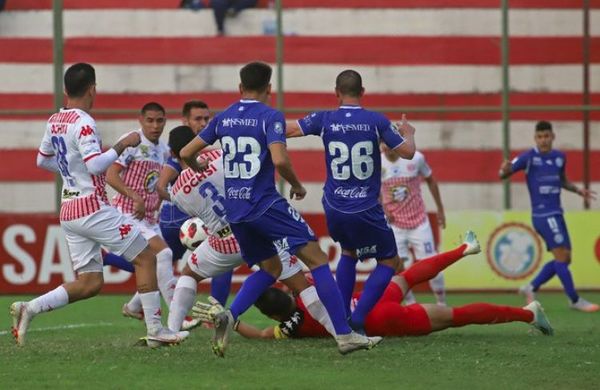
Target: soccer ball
[{"x": 192, "y": 233}]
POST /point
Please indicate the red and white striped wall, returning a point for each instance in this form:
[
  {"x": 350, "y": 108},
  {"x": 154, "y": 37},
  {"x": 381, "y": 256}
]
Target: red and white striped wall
[{"x": 411, "y": 53}]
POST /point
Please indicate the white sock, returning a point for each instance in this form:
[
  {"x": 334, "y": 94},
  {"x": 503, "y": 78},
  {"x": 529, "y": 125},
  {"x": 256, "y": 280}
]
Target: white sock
[
  {"x": 316, "y": 309},
  {"x": 182, "y": 302},
  {"x": 409, "y": 298},
  {"x": 152, "y": 313},
  {"x": 438, "y": 287},
  {"x": 164, "y": 274},
  {"x": 135, "y": 303},
  {"x": 51, "y": 300}
]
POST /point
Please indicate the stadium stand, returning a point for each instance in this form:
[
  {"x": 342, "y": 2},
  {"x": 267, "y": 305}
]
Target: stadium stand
[{"x": 412, "y": 53}]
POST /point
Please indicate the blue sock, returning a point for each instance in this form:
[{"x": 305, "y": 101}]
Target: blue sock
[
  {"x": 253, "y": 287},
  {"x": 545, "y": 274},
  {"x": 220, "y": 286},
  {"x": 118, "y": 262},
  {"x": 330, "y": 296},
  {"x": 345, "y": 275},
  {"x": 374, "y": 287},
  {"x": 562, "y": 270}
]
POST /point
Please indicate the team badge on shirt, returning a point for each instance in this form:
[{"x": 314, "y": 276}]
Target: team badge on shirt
[{"x": 278, "y": 128}]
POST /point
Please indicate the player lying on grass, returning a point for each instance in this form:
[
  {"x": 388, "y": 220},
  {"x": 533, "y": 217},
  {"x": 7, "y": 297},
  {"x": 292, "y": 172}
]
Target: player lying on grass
[{"x": 389, "y": 317}]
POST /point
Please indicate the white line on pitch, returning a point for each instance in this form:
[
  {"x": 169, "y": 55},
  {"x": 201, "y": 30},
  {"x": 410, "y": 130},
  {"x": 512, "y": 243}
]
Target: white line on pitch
[{"x": 63, "y": 327}]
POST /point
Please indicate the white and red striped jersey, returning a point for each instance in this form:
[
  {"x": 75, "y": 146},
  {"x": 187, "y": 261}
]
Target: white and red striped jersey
[
  {"x": 401, "y": 190},
  {"x": 71, "y": 136},
  {"x": 201, "y": 194},
  {"x": 141, "y": 168}
]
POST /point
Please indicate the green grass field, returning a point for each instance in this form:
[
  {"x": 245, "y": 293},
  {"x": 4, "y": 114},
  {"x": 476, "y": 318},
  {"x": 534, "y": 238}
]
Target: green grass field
[{"x": 90, "y": 345}]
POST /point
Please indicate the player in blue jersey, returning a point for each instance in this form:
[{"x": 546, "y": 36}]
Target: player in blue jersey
[
  {"x": 355, "y": 218},
  {"x": 195, "y": 114},
  {"x": 545, "y": 171},
  {"x": 253, "y": 139}
]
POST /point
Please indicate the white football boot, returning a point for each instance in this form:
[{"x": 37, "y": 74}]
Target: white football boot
[
  {"x": 540, "y": 321},
  {"x": 353, "y": 341},
  {"x": 21, "y": 319}
]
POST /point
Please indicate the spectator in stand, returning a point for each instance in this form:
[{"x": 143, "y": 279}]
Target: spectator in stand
[{"x": 221, "y": 9}]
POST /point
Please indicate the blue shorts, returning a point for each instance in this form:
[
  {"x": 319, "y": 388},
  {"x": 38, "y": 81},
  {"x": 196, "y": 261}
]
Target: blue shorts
[
  {"x": 171, "y": 219},
  {"x": 281, "y": 227},
  {"x": 367, "y": 232},
  {"x": 553, "y": 230}
]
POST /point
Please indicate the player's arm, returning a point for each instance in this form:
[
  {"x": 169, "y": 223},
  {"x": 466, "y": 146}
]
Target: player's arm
[
  {"x": 190, "y": 152},
  {"x": 293, "y": 129},
  {"x": 113, "y": 178},
  {"x": 47, "y": 162},
  {"x": 583, "y": 192},
  {"x": 517, "y": 164},
  {"x": 283, "y": 165},
  {"x": 251, "y": 332},
  {"x": 407, "y": 148},
  {"x": 437, "y": 198},
  {"x": 98, "y": 163},
  {"x": 167, "y": 175},
  {"x": 506, "y": 169}
]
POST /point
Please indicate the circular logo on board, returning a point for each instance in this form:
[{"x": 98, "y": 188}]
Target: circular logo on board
[{"x": 514, "y": 251}]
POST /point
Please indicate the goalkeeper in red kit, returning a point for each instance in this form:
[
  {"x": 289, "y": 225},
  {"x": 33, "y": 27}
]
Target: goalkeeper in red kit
[{"x": 389, "y": 317}]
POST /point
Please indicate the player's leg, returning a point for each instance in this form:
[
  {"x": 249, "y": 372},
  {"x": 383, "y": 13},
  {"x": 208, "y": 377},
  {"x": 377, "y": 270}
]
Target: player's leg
[
  {"x": 87, "y": 264},
  {"x": 220, "y": 286},
  {"x": 401, "y": 236},
  {"x": 345, "y": 276},
  {"x": 443, "y": 317},
  {"x": 117, "y": 262},
  {"x": 164, "y": 265},
  {"x": 426, "y": 269},
  {"x": 183, "y": 298},
  {"x": 423, "y": 244},
  {"x": 561, "y": 267}
]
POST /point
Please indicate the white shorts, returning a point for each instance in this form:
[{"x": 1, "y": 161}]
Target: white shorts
[
  {"x": 148, "y": 230},
  {"x": 420, "y": 239},
  {"x": 207, "y": 262},
  {"x": 106, "y": 227}
]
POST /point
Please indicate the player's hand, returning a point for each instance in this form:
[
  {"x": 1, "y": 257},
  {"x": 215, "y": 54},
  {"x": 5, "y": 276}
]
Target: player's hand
[
  {"x": 586, "y": 194},
  {"x": 206, "y": 312},
  {"x": 200, "y": 165},
  {"x": 139, "y": 208},
  {"x": 505, "y": 167},
  {"x": 406, "y": 129},
  {"x": 132, "y": 139},
  {"x": 441, "y": 219},
  {"x": 297, "y": 193}
]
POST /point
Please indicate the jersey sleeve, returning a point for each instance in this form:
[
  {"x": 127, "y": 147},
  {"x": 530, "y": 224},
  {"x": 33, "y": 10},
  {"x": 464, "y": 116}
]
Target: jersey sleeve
[
  {"x": 209, "y": 134},
  {"x": 46, "y": 148},
  {"x": 312, "y": 123},
  {"x": 87, "y": 139},
  {"x": 520, "y": 162},
  {"x": 424, "y": 168},
  {"x": 389, "y": 133},
  {"x": 275, "y": 128},
  {"x": 126, "y": 157},
  {"x": 173, "y": 163}
]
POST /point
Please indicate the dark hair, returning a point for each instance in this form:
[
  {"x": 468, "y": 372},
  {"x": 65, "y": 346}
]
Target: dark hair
[
  {"x": 255, "y": 76},
  {"x": 275, "y": 302},
  {"x": 349, "y": 83},
  {"x": 179, "y": 137},
  {"x": 543, "y": 126},
  {"x": 187, "y": 107},
  {"x": 78, "y": 79},
  {"x": 152, "y": 106}
]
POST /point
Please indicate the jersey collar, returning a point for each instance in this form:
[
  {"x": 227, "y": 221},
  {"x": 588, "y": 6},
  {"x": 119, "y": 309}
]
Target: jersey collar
[
  {"x": 246, "y": 101},
  {"x": 349, "y": 107}
]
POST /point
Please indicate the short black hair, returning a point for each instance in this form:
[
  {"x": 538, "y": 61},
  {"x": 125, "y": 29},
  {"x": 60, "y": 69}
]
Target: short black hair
[
  {"x": 78, "y": 79},
  {"x": 349, "y": 83},
  {"x": 179, "y": 137},
  {"x": 152, "y": 106},
  {"x": 275, "y": 302},
  {"x": 187, "y": 107},
  {"x": 256, "y": 76},
  {"x": 543, "y": 126}
]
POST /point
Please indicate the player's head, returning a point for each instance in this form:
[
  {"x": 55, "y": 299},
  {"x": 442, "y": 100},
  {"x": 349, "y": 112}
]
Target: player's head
[
  {"x": 179, "y": 137},
  {"x": 544, "y": 136},
  {"x": 255, "y": 80},
  {"x": 275, "y": 304},
  {"x": 195, "y": 114},
  {"x": 152, "y": 119},
  {"x": 80, "y": 81},
  {"x": 349, "y": 84}
]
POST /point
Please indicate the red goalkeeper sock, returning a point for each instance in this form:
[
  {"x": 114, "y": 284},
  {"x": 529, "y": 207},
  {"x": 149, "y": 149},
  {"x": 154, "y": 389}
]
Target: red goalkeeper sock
[
  {"x": 485, "y": 313},
  {"x": 428, "y": 268}
]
